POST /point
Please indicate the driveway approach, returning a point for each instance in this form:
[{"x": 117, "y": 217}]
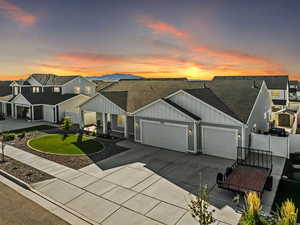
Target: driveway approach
[{"x": 142, "y": 186}]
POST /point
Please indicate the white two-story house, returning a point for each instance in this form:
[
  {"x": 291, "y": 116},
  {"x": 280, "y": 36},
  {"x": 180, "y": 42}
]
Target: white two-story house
[{"x": 46, "y": 97}]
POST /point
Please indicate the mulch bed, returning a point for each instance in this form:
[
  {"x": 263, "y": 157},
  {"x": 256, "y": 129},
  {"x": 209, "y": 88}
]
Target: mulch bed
[
  {"x": 75, "y": 162},
  {"x": 22, "y": 171}
]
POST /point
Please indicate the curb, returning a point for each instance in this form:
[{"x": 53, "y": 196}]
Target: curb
[{"x": 26, "y": 186}]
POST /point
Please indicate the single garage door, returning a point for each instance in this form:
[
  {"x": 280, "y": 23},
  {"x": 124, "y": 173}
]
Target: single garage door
[
  {"x": 220, "y": 142},
  {"x": 164, "y": 135},
  {"x": 48, "y": 113}
]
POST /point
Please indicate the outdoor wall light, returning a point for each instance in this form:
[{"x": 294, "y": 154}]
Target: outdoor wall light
[
  {"x": 239, "y": 136},
  {"x": 190, "y": 132}
]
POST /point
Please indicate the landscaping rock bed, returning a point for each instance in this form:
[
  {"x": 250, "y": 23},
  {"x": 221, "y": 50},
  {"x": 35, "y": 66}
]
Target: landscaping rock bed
[
  {"x": 75, "y": 162},
  {"x": 22, "y": 171}
]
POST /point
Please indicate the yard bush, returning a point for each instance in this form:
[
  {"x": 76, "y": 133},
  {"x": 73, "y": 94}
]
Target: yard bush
[
  {"x": 287, "y": 214},
  {"x": 21, "y": 135},
  {"x": 9, "y": 136},
  {"x": 252, "y": 214}
]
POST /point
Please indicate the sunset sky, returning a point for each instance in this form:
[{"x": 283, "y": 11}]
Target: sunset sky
[{"x": 152, "y": 38}]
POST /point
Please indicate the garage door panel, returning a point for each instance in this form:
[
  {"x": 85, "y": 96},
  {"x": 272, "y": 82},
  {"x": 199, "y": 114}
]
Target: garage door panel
[
  {"x": 164, "y": 136},
  {"x": 219, "y": 142}
]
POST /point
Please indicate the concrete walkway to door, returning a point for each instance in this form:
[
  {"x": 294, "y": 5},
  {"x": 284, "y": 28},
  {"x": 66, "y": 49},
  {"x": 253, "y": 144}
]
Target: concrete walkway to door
[{"x": 12, "y": 124}]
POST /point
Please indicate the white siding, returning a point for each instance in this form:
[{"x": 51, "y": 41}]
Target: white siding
[
  {"x": 207, "y": 113},
  {"x": 161, "y": 110},
  {"x": 81, "y": 83},
  {"x": 48, "y": 112},
  {"x": 71, "y": 105},
  {"x": 260, "y": 114},
  {"x": 20, "y": 99},
  {"x": 101, "y": 104}
]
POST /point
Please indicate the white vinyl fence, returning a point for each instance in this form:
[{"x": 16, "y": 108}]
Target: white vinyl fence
[
  {"x": 279, "y": 146},
  {"x": 294, "y": 143}
]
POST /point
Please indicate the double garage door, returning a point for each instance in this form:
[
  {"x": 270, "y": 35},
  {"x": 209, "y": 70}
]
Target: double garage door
[
  {"x": 164, "y": 135},
  {"x": 220, "y": 142}
]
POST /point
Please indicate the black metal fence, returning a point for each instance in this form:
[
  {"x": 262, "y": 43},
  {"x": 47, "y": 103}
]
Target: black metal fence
[{"x": 254, "y": 157}]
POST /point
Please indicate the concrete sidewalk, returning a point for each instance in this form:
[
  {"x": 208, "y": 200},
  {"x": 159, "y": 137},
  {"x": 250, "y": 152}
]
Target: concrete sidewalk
[{"x": 122, "y": 193}]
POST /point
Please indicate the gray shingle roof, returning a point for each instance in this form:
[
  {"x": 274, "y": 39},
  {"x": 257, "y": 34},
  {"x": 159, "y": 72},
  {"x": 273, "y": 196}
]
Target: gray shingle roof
[
  {"x": 117, "y": 97},
  {"x": 5, "y": 89},
  {"x": 47, "y": 98},
  {"x": 52, "y": 79},
  {"x": 272, "y": 81}
]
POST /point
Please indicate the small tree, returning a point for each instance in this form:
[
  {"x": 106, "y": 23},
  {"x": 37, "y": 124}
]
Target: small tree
[
  {"x": 199, "y": 207},
  {"x": 79, "y": 138},
  {"x": 66, "y": 124}
]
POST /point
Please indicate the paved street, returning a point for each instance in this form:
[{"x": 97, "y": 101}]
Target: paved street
[{"x": 16, "y": 209}]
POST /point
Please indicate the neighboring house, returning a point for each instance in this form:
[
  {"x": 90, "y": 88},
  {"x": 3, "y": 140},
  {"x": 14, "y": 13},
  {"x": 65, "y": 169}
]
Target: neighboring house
[
  {"x": 278, "y": 85},
  {"x": 209, "y": 117},
  {"x": 294, "y": 90},
  {"x": 47, "y": 97}
]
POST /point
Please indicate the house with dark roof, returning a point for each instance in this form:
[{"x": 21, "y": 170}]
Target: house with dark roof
[
  {"x": 278, "y": 86},
  {"x": 45, "y": 97},
  {"x": 212, "y": 117}
]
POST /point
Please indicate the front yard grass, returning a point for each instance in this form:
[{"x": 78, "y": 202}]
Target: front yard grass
[{"x": 57, "y": 144}]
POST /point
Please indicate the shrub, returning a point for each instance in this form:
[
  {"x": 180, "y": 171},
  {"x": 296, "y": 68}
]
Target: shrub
[
  {"x": 66, "y": 125},
  {"x": 199, "y": 207},
  {"x": 287, "y": 214},
  {"x": 9, "y": 136},
  {"x": 253, "y": 207},
  {"x": 21, "y": 135}
]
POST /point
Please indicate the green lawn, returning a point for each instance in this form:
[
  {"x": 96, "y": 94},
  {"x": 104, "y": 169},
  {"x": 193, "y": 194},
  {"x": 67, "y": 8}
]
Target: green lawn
[{"x": 55, "y": 143}]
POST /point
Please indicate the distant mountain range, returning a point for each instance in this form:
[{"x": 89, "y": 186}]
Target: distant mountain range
[{"x": 115, "y": 76}]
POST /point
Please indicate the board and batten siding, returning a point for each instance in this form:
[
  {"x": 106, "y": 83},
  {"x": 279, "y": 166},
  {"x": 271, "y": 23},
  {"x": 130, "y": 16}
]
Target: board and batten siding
[
  {"x": 80, "y": 82},
  {"x": 207, "y": 113},
  {"x": 101, "y": 104},
  {"x": 260, "y": 114},
  {"x": 162, "y": 110},
  {"x": 71, "y": 106}
]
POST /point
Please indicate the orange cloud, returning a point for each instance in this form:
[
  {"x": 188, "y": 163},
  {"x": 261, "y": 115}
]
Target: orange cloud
[
  {"x": 16, "y": 13},
  {"x": 161, "y": 27}
]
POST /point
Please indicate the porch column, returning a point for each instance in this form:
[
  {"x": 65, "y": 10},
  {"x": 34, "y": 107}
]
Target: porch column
[
  {"x": 32, "y": 113},
  {"x": 125, "y": 127},
  {"x": 15, "y": 112},
  {"x": 82, "y": 119},
  {"x": 195, "y": 138},
  {"x": 104, "y": 123}
]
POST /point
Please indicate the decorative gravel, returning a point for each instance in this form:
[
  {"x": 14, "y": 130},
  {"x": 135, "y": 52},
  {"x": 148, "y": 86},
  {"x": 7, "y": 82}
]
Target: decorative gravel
[{"x": 22, "y": 171}]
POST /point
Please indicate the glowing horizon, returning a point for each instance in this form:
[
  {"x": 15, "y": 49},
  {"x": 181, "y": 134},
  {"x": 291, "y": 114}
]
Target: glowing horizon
[{"x": 199, "y": 41}]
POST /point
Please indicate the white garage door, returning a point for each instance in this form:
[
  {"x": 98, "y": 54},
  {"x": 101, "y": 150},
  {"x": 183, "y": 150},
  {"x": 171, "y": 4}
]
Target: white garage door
[
  {"x": 169, "y": 136},
  {"x": 48, "y": 113},
  {"x": 219, "y": 142}
]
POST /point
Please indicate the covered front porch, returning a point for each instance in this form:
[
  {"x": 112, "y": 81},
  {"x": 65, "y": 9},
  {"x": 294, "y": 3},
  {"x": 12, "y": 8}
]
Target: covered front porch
[{"x": 105, "y": 116}]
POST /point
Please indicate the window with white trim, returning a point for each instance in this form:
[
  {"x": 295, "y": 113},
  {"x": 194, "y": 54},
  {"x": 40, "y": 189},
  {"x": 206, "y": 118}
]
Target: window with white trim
[
  {"x": 77, "y": 90},
  {"x": 36, "y": 89},
  {"x": 56, "y": 89},
  {"x": 120, "y": 120},
  {"x": 88, "y": 90}
]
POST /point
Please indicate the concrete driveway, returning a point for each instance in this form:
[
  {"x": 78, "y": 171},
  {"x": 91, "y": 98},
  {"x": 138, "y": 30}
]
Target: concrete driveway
[
  {"x": 142, "y": 186},
  {"x": 10, "y": 124}
]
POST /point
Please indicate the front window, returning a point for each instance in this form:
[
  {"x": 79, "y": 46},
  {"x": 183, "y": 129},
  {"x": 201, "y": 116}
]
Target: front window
[
  {"x": 88, "y": 90},
  {"x": 77, "y": 90},
  {"x": 120, "y": 120},
  {"x": 35, "y": 89},
  {"x": 56, "y": 90}
]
